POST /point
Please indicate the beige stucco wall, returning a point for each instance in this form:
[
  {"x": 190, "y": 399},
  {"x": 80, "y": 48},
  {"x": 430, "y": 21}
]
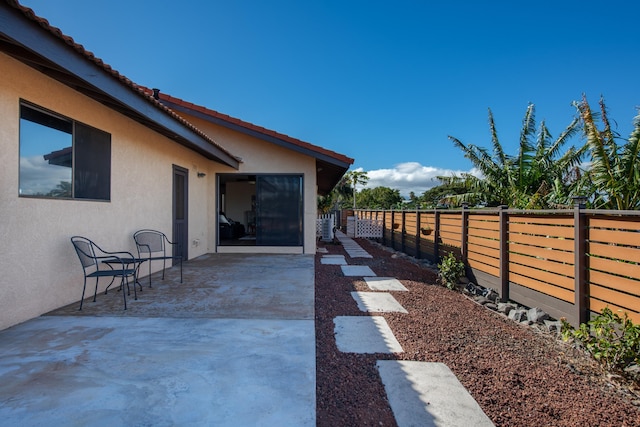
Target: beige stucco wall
[
  {"x": 264, "y": 157},
  {"x": 39, "y": 270}
]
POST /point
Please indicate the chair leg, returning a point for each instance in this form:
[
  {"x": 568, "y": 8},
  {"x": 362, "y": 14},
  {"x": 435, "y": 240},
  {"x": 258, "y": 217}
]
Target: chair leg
[
  {"x": 95, "y": 291},
  {"x": 180, "y": 270},
  {"x": 124, "y": 294},
  {"x": 149, "y": 271},
  {"x": 135, "y": 291},
  {"x": 164, "y": 266},
  {"x": 83, "y": 289}
]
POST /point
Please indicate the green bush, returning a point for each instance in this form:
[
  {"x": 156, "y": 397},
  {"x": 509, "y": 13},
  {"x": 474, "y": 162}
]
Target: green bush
[
  {"x": 450, "y": 271},
  {"x": 611, "y": 340}
]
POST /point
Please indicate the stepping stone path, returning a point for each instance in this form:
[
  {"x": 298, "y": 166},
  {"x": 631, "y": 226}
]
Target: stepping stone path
[
  {"x": 420, "y": 393},
  {"x": 351, "y": 247},
  {"x": 428, "y": 394},
  {"x": 377, "y": 302},
  {"x": 365, "y": 334},
  {"x": 384, "y": 284},
  {"x": 357, "y": 270},
  {"x": 333, "y": 260}
]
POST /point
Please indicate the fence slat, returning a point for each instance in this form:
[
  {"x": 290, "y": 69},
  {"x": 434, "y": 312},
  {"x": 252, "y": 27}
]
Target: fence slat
[
  {"x": 543, "y": 264},
  {"x": 494, "y": 271},
  {"x": 541, "y": 230},
  {"x": 545, "y": 288},
  {"x": 562, "y": 244}
]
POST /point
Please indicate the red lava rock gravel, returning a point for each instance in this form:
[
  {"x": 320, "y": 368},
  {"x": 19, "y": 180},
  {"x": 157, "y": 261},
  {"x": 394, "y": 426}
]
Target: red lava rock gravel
[{"x": 518, "y": 375}]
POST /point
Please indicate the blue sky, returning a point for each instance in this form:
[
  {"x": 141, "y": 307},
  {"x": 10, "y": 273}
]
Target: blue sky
[{"x": 382, "y": 82}]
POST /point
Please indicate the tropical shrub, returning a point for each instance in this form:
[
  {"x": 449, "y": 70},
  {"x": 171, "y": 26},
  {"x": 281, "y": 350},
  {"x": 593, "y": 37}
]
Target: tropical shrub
[
  {"x": 450, "y": 270},
  {"x": 612, "y": 340}
]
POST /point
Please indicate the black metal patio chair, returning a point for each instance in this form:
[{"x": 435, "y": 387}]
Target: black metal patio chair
[
  {"x": 155, "y": 246},
  {"x": 95, "y": 261}
]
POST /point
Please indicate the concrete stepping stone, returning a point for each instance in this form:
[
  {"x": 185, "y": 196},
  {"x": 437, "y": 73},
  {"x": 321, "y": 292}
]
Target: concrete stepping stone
[
  {"x": 384, "y": 284},
  {"x": 365, "y": 334},
  {"x": 428, "y": 394},
  {"x": 351, "y": 247},
  {"x": 377, "y": 302},
  {"x": 333, "y": 260},
  {"x": 357, "y": 270},
  {"x": 321, "y": 250}
]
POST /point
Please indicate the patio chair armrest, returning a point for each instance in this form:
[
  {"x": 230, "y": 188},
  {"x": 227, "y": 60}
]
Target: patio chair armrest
[
  {"x": 119, "y": 254},
  {"x": 139, "y": 245}
]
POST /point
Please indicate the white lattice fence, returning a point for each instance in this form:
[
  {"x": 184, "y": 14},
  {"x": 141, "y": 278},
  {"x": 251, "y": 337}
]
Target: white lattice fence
[{"x": 369, "y": 228}]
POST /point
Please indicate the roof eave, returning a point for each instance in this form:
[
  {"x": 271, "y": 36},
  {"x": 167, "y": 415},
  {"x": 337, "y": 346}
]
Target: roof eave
[
  {"x": 27, "y": 41},
  {"x": 329, "y": 169}
]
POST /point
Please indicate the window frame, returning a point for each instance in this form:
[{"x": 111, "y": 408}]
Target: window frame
[{"x": 85, "y": 140}]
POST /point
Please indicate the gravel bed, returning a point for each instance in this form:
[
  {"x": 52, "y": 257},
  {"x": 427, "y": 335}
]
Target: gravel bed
[{"x": 518, "y": 375}]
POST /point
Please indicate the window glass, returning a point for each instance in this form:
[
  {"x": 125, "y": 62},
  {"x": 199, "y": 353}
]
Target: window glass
[
  {"x": 62, "y": 158},
  {"x": 45, "y": 155},
  {"x": 92, "y": 173}
]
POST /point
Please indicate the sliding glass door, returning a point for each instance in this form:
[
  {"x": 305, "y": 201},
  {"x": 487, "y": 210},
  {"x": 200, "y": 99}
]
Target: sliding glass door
[
  {"x": 260, "y": 209},
  {"x": 279, "y": 210}
]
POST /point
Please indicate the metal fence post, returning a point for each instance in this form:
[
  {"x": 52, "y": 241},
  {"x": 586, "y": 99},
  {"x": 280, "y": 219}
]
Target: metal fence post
[
  {"x": 418, "y": 233},
  {"x": 436, "y": 236},
  {"x": 384, "y": 227},
  {"x": 504, "y": 254},
  {"x": 580, "y": 230},
  {"x": 403, "y": 231},
  {"x": 393, "y": 233},
  {"x": 464, "y": 230}
]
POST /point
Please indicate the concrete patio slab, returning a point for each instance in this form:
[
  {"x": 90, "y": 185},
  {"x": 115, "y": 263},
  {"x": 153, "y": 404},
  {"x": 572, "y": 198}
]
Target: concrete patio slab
[
  {"x": 233, "y": 345},
  {"x": 384, "y": 284},
  {"x": 429, "y": 394},
  {"x": 236, "y": 286},
  {"x": 365, "y": 334},
  {"x": 377, "y": 302},
  {"x": 357, "y": 270},
  {"x": 151, "y": 371}
]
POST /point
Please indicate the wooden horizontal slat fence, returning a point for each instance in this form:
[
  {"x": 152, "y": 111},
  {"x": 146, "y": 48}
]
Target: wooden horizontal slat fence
[{"x": 572, "y": 263}]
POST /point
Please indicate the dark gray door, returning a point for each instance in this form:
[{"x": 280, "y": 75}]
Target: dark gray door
[
  {"x": 279, "y": 210},
  {"x": 180, "y": 211}
]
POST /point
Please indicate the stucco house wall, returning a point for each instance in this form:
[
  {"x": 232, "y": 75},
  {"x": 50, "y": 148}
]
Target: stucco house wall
[
  {"x": 261, "y": 157},
  {"x": 40, "y": 270}
]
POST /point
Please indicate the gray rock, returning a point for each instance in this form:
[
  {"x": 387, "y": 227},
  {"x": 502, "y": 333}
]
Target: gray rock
[
  {"x": 633, "y": 370},
  {"x": 464, "y": 280},
  {"x": 536, "y": 315},
  {"x": 506, "y": 307},
  {"x": 492, "y": 295},
  {"x": 526, "y": 322},
  {"x": 481, "y": 300},
  {"x": 473, "y": 289},
  {"x": 518, "y": 315},
  {"x": 491, "y": 305},
  {"x": 553, "y": 325}
]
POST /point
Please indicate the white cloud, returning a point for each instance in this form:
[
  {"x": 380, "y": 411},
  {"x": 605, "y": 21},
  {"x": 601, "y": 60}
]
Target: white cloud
[{"x": 410, "y": 176}]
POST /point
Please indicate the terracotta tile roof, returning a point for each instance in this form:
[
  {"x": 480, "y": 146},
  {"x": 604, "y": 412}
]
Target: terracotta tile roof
[
  {"x": 252, "y": 127},
  {"x": 142, "y": 91}
]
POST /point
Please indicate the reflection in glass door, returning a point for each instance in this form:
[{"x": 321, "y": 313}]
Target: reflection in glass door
[{"x": 279, "y": 210}]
